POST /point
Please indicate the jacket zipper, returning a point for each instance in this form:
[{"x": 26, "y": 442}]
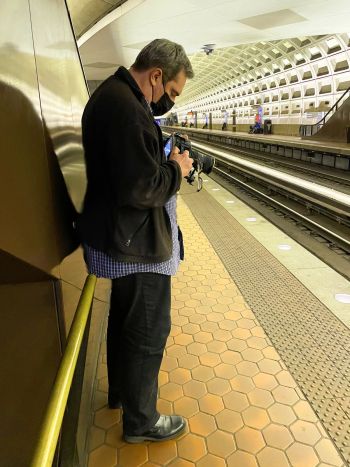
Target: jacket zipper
[{"x": 128, "y": 242}]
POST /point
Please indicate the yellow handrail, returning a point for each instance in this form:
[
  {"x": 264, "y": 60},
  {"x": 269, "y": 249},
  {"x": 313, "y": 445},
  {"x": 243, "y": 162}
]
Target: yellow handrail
[{"x": 51, "y": 425}]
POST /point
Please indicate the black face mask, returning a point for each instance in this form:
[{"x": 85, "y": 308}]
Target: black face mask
[{"x": 163, "y": 105}]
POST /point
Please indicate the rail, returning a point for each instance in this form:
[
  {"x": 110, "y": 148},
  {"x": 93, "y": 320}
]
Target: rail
[
  {"x": 311, "y": 130},
  {"x": 52, "y": 422}
]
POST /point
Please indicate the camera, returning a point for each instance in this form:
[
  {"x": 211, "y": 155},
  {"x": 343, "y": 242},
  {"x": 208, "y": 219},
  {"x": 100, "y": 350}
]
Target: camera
[{"x": 201, "y": 162}]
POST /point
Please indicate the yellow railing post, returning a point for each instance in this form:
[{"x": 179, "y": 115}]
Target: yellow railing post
[{"x": 51, "y": 425}]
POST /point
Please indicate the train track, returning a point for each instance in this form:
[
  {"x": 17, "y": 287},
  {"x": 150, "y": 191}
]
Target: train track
[
  {"x": 315, "y": 213},
  {"x": 321, "y": 174}
]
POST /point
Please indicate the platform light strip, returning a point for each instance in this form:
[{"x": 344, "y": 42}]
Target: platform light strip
[{"x": 326, "y": 192}]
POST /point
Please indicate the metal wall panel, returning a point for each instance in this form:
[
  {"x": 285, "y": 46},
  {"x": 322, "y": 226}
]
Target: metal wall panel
[
  {"x": 62, "y": 88},
  {"x": 42, "y": 96},
  {"x": 36, "y": 214},
  {"x": 26, "y": 218},
  {"x": 30, "y": 352}
]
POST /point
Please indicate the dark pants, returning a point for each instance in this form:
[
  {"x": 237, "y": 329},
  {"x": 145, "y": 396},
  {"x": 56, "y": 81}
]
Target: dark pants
[{"x": 138, "y": 327}]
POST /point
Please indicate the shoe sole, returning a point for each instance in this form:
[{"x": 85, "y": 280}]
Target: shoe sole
[{"x": 141, "y": 439}]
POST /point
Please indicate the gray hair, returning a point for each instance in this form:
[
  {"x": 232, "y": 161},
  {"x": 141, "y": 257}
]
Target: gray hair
[{"x": 164, "y": 54}]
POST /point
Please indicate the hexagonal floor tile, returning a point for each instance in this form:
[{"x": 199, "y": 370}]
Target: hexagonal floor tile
[
  {"x": 171, "y": 392},
  {"x": 242, "y": 383},
  {"x": 203, "y": 337},
  {"x": 114, "y": 436},
  {"x": 247, "y": 368},
  {"x": 277, "y": 436},
  {"x": 300, "y": 454},
  {"x": 328, "y": 453},
  {"x": 211, "y": 404},
  {"x": 225, "y": 371},
  {"x": 188, "y": 361},
  {"x": 221, "y": 444},
  {"x": 285, "y": 395},
  {"x": 133, "y": 455},
  {"x": 229, "y": 420},
  {"x": 242, "y": 459},
  {"x": 216, "y": 347},
  {"x": 218, "y": 386},
  {"x": 202, "y": 424},
  {"x": 249, "y": 440},
  {"x": 269, "y": 457},
  {"x": 231, "y": 357},
  {"x": 305, "y": 432},
  {"x": 210, "y": 359},
  {"x": 191, "y": 447},
  {"x": 162, "y": 453},
  {"x": 180, "y": 376},
  {"x": 195, "y": 389},
  {"x": 255, "y": 417},
  {"x": 282, "y": 414},
  {"x": 236, "y": 401},
  {"x": 197, "y": 348},
  {"x": 105, "y": 418},
  {"x": 265, "y": 381},
  {"x": 186, "y": 406},
  {"x": 203, "y": 373},
  {"x": 211, "y": 461},
  {"x": 269, "y": 366},
  {"x": 260, "y": 398},
  {"x": 104, "y": 455}
]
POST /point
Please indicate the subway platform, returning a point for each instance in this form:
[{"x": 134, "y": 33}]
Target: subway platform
[
  {"x": 258, "y": 356},
  {"x": 312, "y": 144}
]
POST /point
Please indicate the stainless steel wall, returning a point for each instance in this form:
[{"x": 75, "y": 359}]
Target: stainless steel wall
[{"x": 42, "y": 96}]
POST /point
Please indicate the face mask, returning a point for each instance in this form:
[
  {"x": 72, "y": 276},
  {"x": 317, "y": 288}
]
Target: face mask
[{"x": 163, "y": 105}]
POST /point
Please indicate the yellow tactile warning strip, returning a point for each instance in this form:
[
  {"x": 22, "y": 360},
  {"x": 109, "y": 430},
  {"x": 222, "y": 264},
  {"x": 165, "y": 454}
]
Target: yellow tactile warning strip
[{"x": 221, "y": 372}]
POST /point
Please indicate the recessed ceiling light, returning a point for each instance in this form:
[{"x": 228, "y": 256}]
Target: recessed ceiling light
[
  {"x": 216, "y": 189},
  {"x": 229, "y": 201},
  {"x": 342, "y": 297},
  {"x": 284, "y": 247},
  {"x": 205, "y": 180},
  {"x": 251, "y": 219}
]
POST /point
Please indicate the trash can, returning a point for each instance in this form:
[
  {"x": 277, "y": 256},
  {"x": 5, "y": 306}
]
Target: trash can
[{"x": 267, "y": 127}]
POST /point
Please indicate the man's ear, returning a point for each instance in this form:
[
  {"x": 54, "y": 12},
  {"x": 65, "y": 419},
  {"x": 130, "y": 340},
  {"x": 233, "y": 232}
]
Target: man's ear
[{"x": 156, "y": 75}]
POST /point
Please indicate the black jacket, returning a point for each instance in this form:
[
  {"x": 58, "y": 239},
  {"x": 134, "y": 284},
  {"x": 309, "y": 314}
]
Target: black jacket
[{"x": 129, "y": 178}]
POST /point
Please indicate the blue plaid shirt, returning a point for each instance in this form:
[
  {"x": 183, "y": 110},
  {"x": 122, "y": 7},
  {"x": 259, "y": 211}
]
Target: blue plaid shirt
[{"x": 102, "y": 265}]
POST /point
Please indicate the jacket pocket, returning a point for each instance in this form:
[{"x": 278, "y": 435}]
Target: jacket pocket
[{"x": 131, "y": 236}]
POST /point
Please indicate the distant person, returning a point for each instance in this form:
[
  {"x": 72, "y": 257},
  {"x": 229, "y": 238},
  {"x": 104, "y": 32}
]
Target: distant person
[
  {"x": 256, "y": 128},
  {"x": 128, "y": 227}
]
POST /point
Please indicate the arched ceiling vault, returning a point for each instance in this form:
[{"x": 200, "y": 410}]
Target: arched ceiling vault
[
  {"x": 229, "y": 71},
  {"x": 85, "y": 13}
]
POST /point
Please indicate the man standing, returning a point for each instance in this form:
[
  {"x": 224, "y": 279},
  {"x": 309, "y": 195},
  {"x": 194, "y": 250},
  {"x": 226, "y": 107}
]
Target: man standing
[{"x": 128, "y": 227}]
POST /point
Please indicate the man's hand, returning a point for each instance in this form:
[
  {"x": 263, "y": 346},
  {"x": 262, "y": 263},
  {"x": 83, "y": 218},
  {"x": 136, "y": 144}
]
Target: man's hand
[{"x": 184, "y": 160}]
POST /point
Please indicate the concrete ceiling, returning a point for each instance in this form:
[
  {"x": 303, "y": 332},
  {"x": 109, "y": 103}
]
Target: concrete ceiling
[{"x": 118, "y": 37}]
